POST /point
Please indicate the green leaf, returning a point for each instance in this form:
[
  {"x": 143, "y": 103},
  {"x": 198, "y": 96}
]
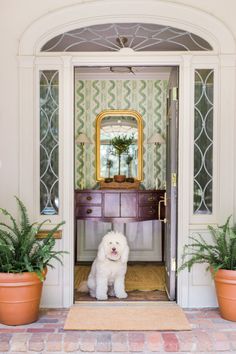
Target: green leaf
[
  {"x": 20, "y": 250},
  {"x": 219, "y": 255}
]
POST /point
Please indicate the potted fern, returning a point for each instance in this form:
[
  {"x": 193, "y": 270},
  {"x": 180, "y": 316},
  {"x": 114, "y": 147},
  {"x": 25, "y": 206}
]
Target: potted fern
[
  {"x": 221, "y": 259},
  {"x": 23, "y": 266}
]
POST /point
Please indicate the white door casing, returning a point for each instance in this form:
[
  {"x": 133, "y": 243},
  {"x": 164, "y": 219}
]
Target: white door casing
[
  {"x": 170, "y": 201},
  {"x": 31, "y": 60}
]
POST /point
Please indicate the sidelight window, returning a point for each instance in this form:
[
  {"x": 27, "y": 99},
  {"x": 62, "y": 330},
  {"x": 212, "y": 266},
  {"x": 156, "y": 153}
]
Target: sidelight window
[
  {"x": 49, "y": 155},
  {"x": 203, "y": 141}
]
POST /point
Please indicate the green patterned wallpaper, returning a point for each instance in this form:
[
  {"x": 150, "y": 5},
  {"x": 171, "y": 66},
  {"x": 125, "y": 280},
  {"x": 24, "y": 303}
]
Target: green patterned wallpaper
[{"x": 148, "y": 97}]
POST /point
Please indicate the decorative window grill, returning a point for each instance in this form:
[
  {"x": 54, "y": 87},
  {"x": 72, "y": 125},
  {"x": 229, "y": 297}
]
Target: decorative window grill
[
  {"x": 203, "y": 141},
  {"x": 115, "y": 36},
  {"x": 49, "y": 155}
]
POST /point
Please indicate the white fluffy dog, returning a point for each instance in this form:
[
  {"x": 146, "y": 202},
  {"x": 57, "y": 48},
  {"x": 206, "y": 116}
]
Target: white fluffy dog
[{"x": 107, "y": 275}]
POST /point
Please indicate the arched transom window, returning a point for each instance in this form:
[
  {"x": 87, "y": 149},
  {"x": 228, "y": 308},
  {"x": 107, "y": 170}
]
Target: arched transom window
[{"x": 137, "y": 36}]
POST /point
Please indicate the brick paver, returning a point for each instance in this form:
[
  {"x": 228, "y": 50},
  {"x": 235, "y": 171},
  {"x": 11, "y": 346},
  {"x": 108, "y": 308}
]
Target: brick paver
[{"x": 209, "y": 334}]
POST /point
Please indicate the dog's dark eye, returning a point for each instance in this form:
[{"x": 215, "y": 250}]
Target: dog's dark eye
[
  {"x": 117, "y": 243},
  {"x": 110, "y": 242}
]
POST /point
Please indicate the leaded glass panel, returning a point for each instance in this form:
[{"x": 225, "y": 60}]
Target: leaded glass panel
[
  {"x": 203, "y": 141},
  {"x": 49, "y": 155},
  {"x": 138, "y": 36}
]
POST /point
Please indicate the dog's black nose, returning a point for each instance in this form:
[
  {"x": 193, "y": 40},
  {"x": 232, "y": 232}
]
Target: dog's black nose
[{"x": 113, "y": 248}]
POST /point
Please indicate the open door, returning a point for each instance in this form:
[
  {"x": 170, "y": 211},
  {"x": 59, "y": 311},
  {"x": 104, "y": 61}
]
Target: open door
[{"x": 171, "y": 183}]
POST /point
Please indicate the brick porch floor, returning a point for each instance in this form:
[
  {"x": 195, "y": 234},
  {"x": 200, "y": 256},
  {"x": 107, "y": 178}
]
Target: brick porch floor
[{"x": 210, "y": 334}]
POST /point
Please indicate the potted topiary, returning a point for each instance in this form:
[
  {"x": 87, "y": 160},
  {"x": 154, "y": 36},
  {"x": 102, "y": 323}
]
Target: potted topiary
[
  {"x": 23, "y": 266},
  {"x": 121, "y": 144},
  {"x": 221, "y": 259}
]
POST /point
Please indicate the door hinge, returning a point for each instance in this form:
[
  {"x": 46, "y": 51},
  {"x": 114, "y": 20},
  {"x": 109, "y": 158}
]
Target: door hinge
[
  {"x": 173, "y": 264},
  {"x": 173, "y": 179},
  {"x": 175, "y": 93}
]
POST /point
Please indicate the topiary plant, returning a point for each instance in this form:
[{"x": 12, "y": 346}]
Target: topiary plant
[
  {"x": 20, "y": 250},
  {"x": 121, "y": 144}
]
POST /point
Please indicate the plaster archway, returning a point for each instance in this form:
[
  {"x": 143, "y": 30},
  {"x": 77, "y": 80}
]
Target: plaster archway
[{"x": 115, "y": 11}]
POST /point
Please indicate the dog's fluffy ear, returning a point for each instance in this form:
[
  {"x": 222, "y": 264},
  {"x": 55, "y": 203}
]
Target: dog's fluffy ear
[
  {"x": 125, "y": 254},
  {"x": 101, "y": 252}
]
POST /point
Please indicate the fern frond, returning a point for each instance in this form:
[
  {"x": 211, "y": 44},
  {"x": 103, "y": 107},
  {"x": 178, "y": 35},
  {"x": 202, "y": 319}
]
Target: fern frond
[
  {"x": 15, "y": 227},
  {"x": 219, "y": 255},
  {"x": 20, "y": 250},
  {"x": 23, "y": 215}
]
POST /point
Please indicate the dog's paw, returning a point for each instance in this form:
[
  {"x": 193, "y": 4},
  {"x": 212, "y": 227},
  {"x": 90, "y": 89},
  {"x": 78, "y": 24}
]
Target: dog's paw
[
  {"x": 101, "y": 297},
  {"x": 122, "y": 295}
]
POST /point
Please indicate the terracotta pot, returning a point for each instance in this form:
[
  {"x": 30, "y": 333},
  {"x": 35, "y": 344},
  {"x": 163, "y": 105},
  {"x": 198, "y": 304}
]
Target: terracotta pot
[
  {"x": 225, "y": 283},
  {"x": 119, "y": 178},
  {"x": 20, "y": 296}
]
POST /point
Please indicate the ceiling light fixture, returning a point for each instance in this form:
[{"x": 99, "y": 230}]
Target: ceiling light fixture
[{"x": 122, "y": 69}]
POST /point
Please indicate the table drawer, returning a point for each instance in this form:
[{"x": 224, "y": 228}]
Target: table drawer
[
  {"x": 146, "y": 198},
  {"x": 88, "y": 198},
  {"x": 148, "y": 212},
  {"x": 88, "y": 211}
]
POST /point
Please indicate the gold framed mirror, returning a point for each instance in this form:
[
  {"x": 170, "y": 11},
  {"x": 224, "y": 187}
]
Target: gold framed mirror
[{"x": 119, "y": 144}]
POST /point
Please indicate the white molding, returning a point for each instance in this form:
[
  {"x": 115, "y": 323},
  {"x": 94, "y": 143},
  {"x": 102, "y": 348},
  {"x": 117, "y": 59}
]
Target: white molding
[
  {"x": 116, "y": 58},
  {"x": 26, "y": 135},
  {"x": 67, "y": 179},
  {"x": 183, "y": 175},
  {"x": 226, "y": 133},
  {"x": 113, "y": 11},
  {"x": 113, "y": 76},
  {"x": 26, "y": 61},
  {"x": 227, "y": 60}
]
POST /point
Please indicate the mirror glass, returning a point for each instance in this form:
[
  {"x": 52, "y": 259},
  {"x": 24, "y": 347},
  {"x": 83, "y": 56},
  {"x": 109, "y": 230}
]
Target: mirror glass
[{"x": 119, "y": 144}]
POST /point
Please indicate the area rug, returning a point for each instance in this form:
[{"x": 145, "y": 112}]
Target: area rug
[
  {"x": 126, "y": 316},
  {"x": 142, "y": 277}
]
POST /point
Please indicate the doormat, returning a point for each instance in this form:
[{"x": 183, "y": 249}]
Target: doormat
[
  {"x": 126, "y": 316},
  {"x": 142, "y": 277}
]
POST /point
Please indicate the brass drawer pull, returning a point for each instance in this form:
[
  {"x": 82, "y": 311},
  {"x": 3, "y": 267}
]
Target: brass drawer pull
[
  {"x": 150, "y": 211},
  {"x": 89, "y": 197},
  {"x": 89, "y": 211},
  {"x": 150, "y": 199}
]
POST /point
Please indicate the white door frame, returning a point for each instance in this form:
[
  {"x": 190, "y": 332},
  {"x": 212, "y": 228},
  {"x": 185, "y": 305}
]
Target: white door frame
[{"x": 31, "y": 60}]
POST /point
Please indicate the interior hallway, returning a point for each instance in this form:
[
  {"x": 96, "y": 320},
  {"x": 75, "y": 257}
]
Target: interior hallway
[{"x": 210, "y": 334}]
